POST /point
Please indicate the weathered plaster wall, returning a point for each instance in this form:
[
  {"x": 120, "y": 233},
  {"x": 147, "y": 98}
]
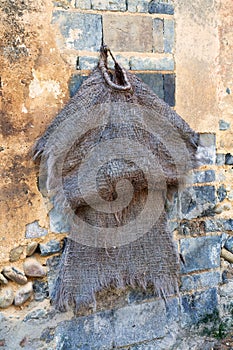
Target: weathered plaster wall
[
  {"x": 33, "y": 88},
  {"x": 47, "y": 50},
  {"x": 197, "y": 55}
]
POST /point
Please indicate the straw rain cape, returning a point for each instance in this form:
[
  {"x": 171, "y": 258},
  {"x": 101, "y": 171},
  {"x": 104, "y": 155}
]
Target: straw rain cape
[{"x": 108, "y": 161}]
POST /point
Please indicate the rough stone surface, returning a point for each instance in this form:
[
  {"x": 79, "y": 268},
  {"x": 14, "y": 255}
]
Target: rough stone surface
[
  {"x": 6, "y": 297},
  {"x": 83, "y": 4},
  {"x": 129, "y": 323},
  {"x": 34, "y": 230},
  {"x": 213, "y": 225},
  {"x": 14, "y": 274},
  {"x": 224, "y": 125},
  {"x": 75, "y": 82},
  {"x": 58, "y": 222},
  {"x": 124, "y": 61},
  {"x": 200, "y": 253},
  {"x": 221, "y": 193},
  {"x": 229, "y": 159},
  {"x": 53, "y": 268},
  {"x": 154, "y": 81},
  {"x": 87, "y": 63},
  {"x": 196, "y": 308},
  {"x": 111, "y": 5},
  {"x": 220, "y": 159},
  {"x": 158, "y": 39},
  {"x": 169, "y": 89},
  {"x": 204, "y": 176},
  {"x": 31, "y": 248},
  {"x": 48, "y": 335},
  {"x": 152, "y": 63},
  {"x": 49, "y": 248},
  {"x": 229, "y": 244},
  {"x": 35, "y": 315},
  {"x": 33, "y": 268},
  {"x": 160, "y": 7},
  {"x": 199, "y": 281},
  {"x": 123, "y": 33},
  {"x": 205, "y": 194},
  {"x": 198, "y": 201},
  {"x": 228, "y": 224},
  {"x": 80, "y": 31},
  {"x": 169, "y": 35},
  {"x": 138, "y": 5},
  {"x": 94, "y": 331},
  {"x": 23, "y": 294},
  {"x": 206, "y": 152},
  {"x": 3, "y": 280},
  {"x": 41, "y": 290},
  {"x": 15, "y": 253},
  {"x": 122, "y": 327}
]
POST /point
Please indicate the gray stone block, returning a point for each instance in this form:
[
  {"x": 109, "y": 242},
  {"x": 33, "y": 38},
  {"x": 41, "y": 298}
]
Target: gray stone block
[
  {"x": 205, "y": 194},
  {"x": 204, "y": 176},
  {"x": 220, "y": 159},
  {"x": 229, "y": 159},
  {"x": 111, "y": 5},
  {"x": 84, "y": 333},
  {"x": 58, "y": 223},
  {"x": 118, "y": 328},
  {"x": 229, "y": 244},
  {"x": 228, "y": 224},
  {"x": 200, "y": 253},
  {"x": 221, "y": 193},
  {"x": 49, "y": 248},
  {"x": 213, "y": 225},
  {"x": 33, "y": 230},
  {"x": 224, "y": 125},
  {"x": 152, "y": 63},
  {"x": 124, "y": 61},
  {"x": 169, "y": 35},
  {"x": 87, "y": 62},
  {"x": 83, "y": 4},
  {"x": 160, "y": 7},
  {"x": 81, "y": 31},
  {"x": 137, "y": 323},
  {"x": 172, "y": 310},
  {"x": 206, "y": 152},
  {"x": 75, "y": 82},
  {"x": 154, "y": 81},
  {"x": 199, "y": 307},
  {"x": 138, "y": 5},
  {"x": 41, "y": 290},
  {"x": 158, "y": 39},
  {"x": 199, "y": 281},
  {"x": 198, "y": 201},
  {"x": 188, "y": 202},
  {"x": 53, "y": 265},
  {"x": 169, "y": 89}
]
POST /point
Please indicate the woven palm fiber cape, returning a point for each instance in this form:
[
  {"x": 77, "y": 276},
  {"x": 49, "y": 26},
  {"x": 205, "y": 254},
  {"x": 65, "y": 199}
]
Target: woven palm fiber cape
[{"x": 108, "y": 162}]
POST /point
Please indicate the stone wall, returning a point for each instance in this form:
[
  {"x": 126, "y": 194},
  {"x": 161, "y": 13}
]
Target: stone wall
[{"x": 183, "y": 52}]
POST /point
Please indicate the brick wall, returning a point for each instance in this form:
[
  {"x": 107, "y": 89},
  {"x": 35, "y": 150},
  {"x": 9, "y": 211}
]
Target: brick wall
[{"x": 64, "y": 39}]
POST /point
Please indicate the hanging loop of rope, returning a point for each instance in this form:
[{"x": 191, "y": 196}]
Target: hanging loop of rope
[{"x": 120, "y": 72}]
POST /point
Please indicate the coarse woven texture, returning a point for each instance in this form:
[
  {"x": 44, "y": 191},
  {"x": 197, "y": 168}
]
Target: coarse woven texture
[{"x": 116, "y": 106}]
